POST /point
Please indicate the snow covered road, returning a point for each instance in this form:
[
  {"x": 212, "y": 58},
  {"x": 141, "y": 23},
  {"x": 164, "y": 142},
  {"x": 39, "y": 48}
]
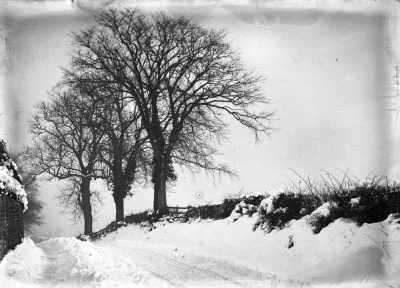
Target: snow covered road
[
  {"x": 214, "y": 254},
  {"x": 176, "y": 268},
  {"x": 67, "y": 262}
]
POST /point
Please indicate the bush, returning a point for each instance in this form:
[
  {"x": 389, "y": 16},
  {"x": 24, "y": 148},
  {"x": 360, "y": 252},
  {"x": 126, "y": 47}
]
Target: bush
[
  {"x": 321, "y": 202},
  {"x": 368, "y": 201},
  {"x": 223, "y": 210},
  {"x": 286, "y": 206},
  {"x": 137, "y": 218},
  {"x": 205, "y": 212}
]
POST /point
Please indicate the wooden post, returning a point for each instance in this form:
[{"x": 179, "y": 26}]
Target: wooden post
[{"x": 11, "y": 224}]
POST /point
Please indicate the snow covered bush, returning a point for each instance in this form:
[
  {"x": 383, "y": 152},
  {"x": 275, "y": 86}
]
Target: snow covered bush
[
  {"x": 263, "y": 216},
  {"x": 367, "y": 201},
  {"x": 376, "y": 200},
  {"x": 279, "y": 208},
  {"x": 224, "y": 210},
  {"x": 321, "y": 217},
  {"x": 394, "y": 219},
  {"x": 243, "y": 209},
  {"x": 137, "y": 218},
  {"x": 319, "y": 203},
  {"x": 10, "y": 180},
  {"x": 205, "y": 212},
  {"x": 355, "y": 201}
]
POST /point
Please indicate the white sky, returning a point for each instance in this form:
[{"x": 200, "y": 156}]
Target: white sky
[{"x": 327, "y": 67}]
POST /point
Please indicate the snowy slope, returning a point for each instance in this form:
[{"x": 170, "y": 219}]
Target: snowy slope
[
  {"x": 213, "y": 254},
  {"x": 342, "y": 254}
]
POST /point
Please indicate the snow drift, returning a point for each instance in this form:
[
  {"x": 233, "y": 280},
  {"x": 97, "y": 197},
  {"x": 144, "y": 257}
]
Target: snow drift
[{"x": 214, "y": 254}]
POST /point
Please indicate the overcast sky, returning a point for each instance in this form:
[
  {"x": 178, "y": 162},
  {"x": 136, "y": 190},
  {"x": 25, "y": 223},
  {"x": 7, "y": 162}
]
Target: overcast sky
[{"x": 328, "y": 69}]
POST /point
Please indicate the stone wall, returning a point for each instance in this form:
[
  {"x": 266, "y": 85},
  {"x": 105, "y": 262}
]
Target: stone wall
[{"x": 11, "y": 224}]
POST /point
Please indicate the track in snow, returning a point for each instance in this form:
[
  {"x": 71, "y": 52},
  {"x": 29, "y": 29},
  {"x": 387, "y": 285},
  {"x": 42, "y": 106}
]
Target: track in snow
[{"x": 175, "y": 268}]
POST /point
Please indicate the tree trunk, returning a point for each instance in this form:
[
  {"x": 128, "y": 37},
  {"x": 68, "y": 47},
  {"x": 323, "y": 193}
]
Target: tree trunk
[
  {"x": 118, "y": 190},
  {"x": 87, "y": 207},
  {"x": 159, "y": 178},
  {"x": 160, "y": 181},
  {"x": 119, "y": 208}
]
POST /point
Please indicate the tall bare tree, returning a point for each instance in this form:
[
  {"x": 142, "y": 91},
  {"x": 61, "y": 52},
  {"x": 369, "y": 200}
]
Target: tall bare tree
[
  {"x": 66, "y": 144},
  {"x": 184, "y": 79},
  {"x": 124, "y": 142},
  {"x": 124, "y": 151},
  {"x": 70, "y": 197}
]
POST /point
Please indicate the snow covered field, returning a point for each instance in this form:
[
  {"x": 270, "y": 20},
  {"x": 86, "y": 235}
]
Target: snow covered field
[{"x": 214, "y": 254}]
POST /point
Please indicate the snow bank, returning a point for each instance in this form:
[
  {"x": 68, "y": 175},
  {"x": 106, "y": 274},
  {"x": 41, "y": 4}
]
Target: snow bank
[
  {"x": 342, "y": 254},
  {"x": 85, "y": 262},
  {"x": 67, "y": 261},
  {"x": 25, "y": 262}
]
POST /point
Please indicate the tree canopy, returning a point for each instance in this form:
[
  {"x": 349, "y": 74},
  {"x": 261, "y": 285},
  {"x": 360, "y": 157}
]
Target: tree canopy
[
  {"x": 67, "y": 145},
  {"x": 184, "y": 80}
]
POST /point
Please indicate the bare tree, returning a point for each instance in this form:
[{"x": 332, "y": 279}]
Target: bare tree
[
  {"x": 184, "y": 80},
  {"x": 66, "y": 145},
  {"x": 124, "y": 140},
  {"x": 124, "y": 143},
  {"x": 70, "y": 197}
]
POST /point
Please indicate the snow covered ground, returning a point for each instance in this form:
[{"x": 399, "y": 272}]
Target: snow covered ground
[{"x": 214, "y": 254}]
